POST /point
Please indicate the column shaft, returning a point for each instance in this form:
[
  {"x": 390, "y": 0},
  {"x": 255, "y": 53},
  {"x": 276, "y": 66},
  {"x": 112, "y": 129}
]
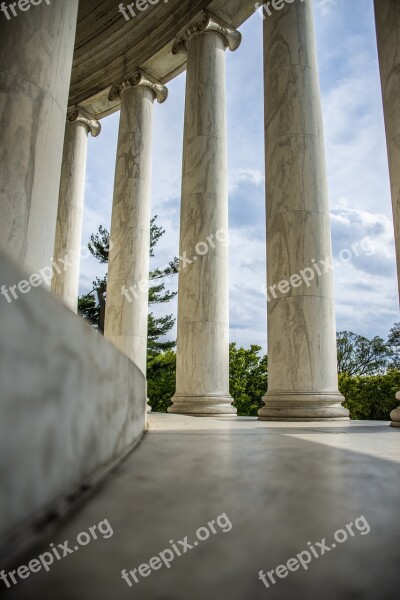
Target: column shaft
[
  {"x": 36, "y": 52},
  {"x": 65, "y": 284},
  {"x": 387, "y": 19},
  {"x": 202, "y": 369},
  {"x": 128, "y": 267},
  {"x": 302, "y": 363}
]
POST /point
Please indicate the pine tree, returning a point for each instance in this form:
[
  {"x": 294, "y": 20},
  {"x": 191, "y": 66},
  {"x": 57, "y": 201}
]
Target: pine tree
[{"x": 92, "y": 307}]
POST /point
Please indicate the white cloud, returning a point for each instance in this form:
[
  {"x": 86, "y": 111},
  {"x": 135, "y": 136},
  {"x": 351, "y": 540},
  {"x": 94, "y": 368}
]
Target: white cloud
[
  {"x": 325, "y": 7},
  {"x": 252, "y": 176}
]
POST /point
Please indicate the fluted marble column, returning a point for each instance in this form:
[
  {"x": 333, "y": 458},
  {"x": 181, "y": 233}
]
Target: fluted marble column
[
  {"x": 65, "y": 284},
  {"x": 387, "y": 19},
  {"x": 36, "y": 50},
  {"x": 202, "y": 362},
  {"x": 128, "y": 266},
  {"x": 302, "y": 365}
]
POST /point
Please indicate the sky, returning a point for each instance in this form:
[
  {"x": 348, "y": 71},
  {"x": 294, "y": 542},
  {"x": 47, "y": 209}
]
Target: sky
[{"x": 359, "y": 193}]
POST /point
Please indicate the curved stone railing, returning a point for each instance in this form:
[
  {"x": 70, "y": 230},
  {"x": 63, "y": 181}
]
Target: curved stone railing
[{"x": 71, "y": 406}]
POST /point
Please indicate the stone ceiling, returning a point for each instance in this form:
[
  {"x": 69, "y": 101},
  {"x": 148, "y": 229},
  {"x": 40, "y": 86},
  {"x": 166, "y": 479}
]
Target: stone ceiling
[{"x": 109, "y": 48}]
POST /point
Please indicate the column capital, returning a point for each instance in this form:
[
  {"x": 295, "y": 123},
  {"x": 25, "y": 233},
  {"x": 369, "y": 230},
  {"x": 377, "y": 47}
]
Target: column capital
[
  {"x": 140, "y": 79},
  {"x": 78, "y": 115},
  {"x": 203, "y": 23}
]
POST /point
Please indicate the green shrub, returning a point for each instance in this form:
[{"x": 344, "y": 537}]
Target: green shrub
[
  {"x": 370, "y": 397},
  {"x": 248, "y": 380},
  {"x": 161, "y": 370}
]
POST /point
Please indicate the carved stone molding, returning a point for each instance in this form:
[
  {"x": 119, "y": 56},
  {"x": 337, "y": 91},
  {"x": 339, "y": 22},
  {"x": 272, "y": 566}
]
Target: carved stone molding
[
  {"x": 78, "y": 115},
  {"x": 140, "y": 78},
  {"x": 203, "y": 23}
]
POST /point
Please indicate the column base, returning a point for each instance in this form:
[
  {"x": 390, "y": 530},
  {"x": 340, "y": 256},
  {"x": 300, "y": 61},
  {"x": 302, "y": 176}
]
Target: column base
[
  {"x": 303, "y": 407},
  {"x": 203, "y": 406},
  {"x": 395, "y": 414}
]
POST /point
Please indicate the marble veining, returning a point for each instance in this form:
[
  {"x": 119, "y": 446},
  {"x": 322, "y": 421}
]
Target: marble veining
[
  {"x": 70, "y": 204},
  {"x": 301, "y": 323},
  {"x": 387, "y": 18},
  {"x": 202, "y": 379},
  {"x": 34, "y": 85},
  {"x": 126, "y": 315}
]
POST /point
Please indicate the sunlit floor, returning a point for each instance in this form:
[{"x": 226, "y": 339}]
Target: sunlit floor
[{"x": 261, "y": 494}]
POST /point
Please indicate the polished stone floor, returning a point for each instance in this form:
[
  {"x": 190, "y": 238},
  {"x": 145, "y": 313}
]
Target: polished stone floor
[{"x": 280, "y": 485}]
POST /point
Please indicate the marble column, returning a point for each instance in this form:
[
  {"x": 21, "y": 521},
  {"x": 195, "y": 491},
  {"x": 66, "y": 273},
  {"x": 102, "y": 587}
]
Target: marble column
[
  {"x": 36, "y": 50},
  {"x": 302, "y": 365},
  {"x": 128, "y": 266},
  {"x": 387, "y": 19},
  {"x": 202, "y": 361},
  {"x": 65, "y": 281}
]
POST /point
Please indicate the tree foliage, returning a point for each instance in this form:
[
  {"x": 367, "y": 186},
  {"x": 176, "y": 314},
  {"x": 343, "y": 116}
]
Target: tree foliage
[
  {"x": 158, "y": 328},
  {"x": 92, "y": 307},
  {"x": 99, "y": 244},
  {"x": 161, "y": 374},
  {"x": 393, "y": 343},
  {"x": 370, "y": 397},
  {"x": 357, "y": 355},
  {"x": 248, "y": 378},
  {"x": 367, "y": 396}
]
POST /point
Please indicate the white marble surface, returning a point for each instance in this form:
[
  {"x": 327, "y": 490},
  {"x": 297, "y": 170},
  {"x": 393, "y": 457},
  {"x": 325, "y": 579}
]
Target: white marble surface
[
  {"x": 126, "y": 321},
  {"x": 202, "y": 371},
  {"x": 387, "y": 17},
  {"x": 301, "y": 322},
  {"x": 201, "y": 360},
  {"x": 69, "y": 401},
  {"x": 36, "y": 51},
  {"x": 286, "y": 258},
  {"x": 70, "y": 208},
  {"x": 280, "y": 484}
]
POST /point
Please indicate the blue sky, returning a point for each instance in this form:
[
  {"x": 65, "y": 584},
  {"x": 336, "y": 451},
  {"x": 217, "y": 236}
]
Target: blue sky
[{"x": 365, "y": 285}]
